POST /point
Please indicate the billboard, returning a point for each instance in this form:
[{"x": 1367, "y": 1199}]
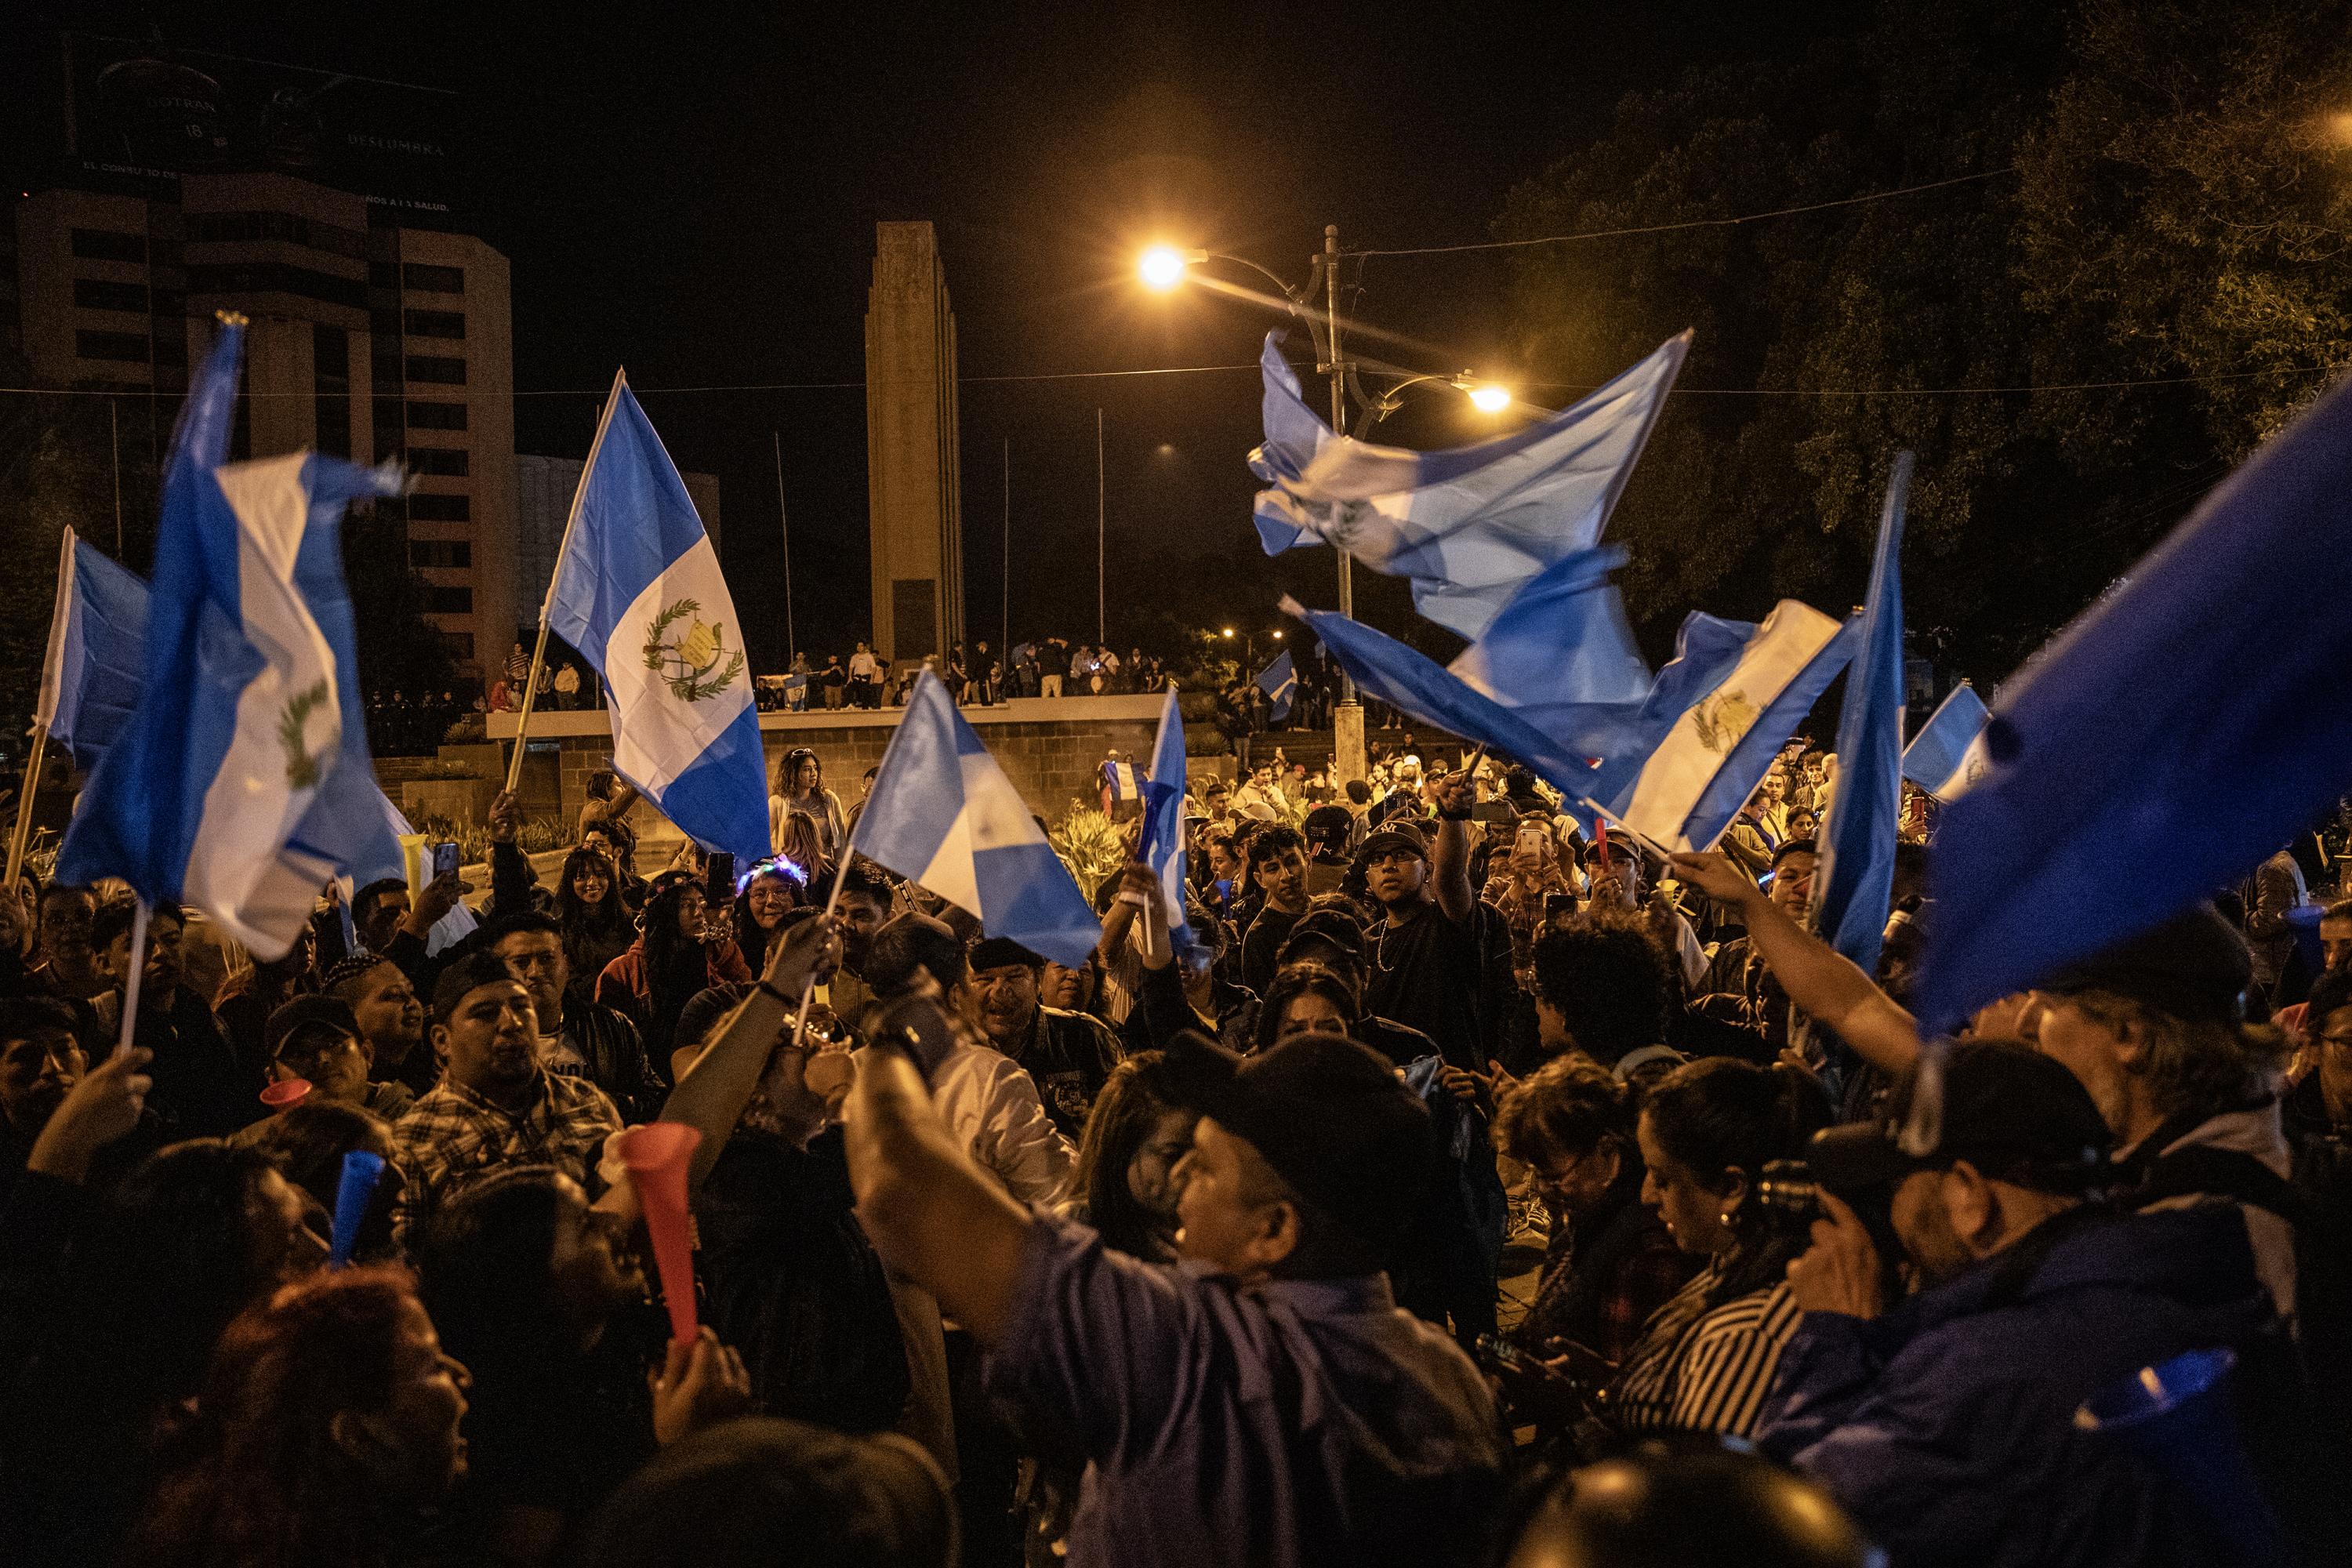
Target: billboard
[{"x": 140, "y": 112}]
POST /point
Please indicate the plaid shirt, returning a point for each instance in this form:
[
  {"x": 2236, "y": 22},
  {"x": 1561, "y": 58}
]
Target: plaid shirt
[{"x": 453, "y": 1135}]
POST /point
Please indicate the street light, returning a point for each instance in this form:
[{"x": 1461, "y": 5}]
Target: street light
[
  {"x": 1489, "y": 397},
  {"x": 1163, "y": 266}
]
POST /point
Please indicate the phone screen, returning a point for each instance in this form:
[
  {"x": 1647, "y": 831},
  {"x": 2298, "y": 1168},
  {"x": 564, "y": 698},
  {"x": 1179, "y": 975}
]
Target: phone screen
[
  {"x": 445, "y": 859},
  {"x": 721, "y": 879}
]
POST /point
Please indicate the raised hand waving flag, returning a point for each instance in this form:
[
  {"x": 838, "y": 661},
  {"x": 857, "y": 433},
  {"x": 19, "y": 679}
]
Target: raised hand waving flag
[
  {"x": 637, "y": 593},
  {"x": 1471, "y": 524},
  {"x": 943, "y": 814}
]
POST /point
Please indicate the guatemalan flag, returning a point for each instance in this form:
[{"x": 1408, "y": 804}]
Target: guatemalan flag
[
  {"x": 242, "y": 720},
  {"x": 1947, "y": 754},
  {"x": 97, "y": 653},
  {"x": 1163, "y": 820},
  {"x": 1279, "y": 682},
  {"x": 943, "y": 814},
  {"x": 1468, "y": 526},
  {"x": 1718, "y": 716},
  {"x": 1562, "y": 656},
  {"x": 638, "y": 594}
]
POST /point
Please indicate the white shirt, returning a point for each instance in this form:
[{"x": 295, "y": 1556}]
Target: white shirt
[
  {"x": 862, "y": 665},
  {"x": 991, "y": 1108}
]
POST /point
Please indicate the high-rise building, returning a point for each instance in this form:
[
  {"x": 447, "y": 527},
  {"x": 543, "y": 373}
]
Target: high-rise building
[
  {"x": 913, "y": 451},
  {"x": 192, "y": 183}
]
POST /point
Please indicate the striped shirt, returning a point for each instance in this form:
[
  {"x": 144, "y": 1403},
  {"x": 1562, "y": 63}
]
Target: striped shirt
[{"x": 1702, "y": 1369}]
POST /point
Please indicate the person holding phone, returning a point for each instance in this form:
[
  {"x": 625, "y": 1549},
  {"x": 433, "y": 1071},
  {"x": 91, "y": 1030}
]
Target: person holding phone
[{"x": 1527, "y": 885}]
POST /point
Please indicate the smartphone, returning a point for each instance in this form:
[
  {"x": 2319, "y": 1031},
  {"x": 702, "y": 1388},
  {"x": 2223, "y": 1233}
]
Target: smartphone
[
  {"x": 720, "y": 877},
  {"x": 444, "y": 859},
  {"x": 1559, "y": 906},
  {"x": 1532, "y": 841}
]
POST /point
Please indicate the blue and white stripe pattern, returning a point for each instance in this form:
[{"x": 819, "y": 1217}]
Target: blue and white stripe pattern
[
  {"x": 1279, "y": 682},
  {"x": 1468, "y": 526},
  {"x": 639, "y": 595},
  {"x": 1164, "y": 816},
  {"x": 1720, "y": 714},
  {"x": 1947, "y": 754},
  {"x": 1561, "y": 656},
  {"x": 97, "y": 651},
  {"x": 943, "y": 814}
]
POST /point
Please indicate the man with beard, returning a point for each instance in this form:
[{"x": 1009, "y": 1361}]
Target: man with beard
[
  {"x": 576, "y": 1036},
  {"x": 391, "y": 1021},
  {"x": 495, "y": 1106},
  {"x": 1067, "y": 1055},
  {"x": 1946, "y": 1423},
  {"x": 1423, "y": 968}
]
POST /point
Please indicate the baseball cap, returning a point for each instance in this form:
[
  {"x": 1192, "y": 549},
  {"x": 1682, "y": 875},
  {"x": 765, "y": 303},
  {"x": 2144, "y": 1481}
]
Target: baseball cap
[
  {"x": 2014, "y": 1113},
  {"x": 1001, "y": 953},
  {"x": 1336, "y": 926},
  {"x": 1389, "y": 841},
  {"x": 2195, "y": 966},
  {"x": 306, "y": 1016},
  {"x": 1331, "y": 1116}
]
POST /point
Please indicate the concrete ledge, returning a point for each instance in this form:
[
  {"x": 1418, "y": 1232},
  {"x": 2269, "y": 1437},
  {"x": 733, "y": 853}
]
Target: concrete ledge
[{"x": 549, "y": 726}]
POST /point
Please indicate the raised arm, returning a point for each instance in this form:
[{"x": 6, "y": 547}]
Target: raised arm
[
  {"x": 1819, "y": 980},
  {"x": 1450, "y": 863},
  {"x": 934, "y": 1215}
]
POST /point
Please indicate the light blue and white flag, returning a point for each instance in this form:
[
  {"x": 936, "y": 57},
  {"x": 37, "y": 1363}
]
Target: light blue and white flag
[
  {"x": 943, "y": 814},
  {"x": 1720, "y": 715},
  {"x": 1561, "y": 655},
  {"x": 1947, "y": 754},
  {"x": 1470, "y": 524},
  {"x": 1294, "y": 434},
  {"x": 242, "y": 720},
  {"x": 1855, "y": 881},
  {"x": 637, "y": 592},
  {"x": 1163, "y": 821},
  {"x": 98, "y": 652},
  {"x": 1279, "y": 682}
]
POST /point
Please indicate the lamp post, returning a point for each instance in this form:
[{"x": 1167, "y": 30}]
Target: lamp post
[{"x": 1163, "y": 267}]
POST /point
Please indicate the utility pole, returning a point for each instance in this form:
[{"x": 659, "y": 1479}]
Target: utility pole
[
  {"x": 114, "y": 428},
  {"x": 1004, "y": 646},
  {"x": 1102, "y": 514},
  {"x": 784, "y": 521},
  {"x": 1348, "y": 716}
]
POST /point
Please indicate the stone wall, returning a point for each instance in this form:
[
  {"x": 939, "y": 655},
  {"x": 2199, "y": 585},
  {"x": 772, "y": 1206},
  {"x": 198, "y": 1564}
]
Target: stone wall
[{"x": 1052, "y": 751}]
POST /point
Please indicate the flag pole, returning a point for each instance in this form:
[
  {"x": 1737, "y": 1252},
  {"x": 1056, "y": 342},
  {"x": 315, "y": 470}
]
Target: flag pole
[
  {"x": 24, "y": 829},
  {"x": 138, "y": 966},
  {"x": 539, "y": 652},
  {"x": 784, "y": 521}
]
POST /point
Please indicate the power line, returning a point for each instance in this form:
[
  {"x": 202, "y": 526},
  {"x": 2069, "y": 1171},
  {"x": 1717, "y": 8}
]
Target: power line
[
  {"x": 439, "y": 396},
  {"x": 1690, "y": 223}
]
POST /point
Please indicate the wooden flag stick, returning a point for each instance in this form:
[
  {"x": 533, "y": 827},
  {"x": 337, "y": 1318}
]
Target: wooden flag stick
[{"x": 22, "y": 835}]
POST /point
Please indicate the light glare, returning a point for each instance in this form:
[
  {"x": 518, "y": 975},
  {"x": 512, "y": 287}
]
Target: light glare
[
  {"x": 1488, "y": 398},
  {"x": 1162, "y": 268}
]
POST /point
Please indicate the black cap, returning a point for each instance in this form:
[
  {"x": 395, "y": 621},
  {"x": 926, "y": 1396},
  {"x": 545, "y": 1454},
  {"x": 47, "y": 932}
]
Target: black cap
[
  {"x": 2015, "y": 1114},
  {"x": 999, "y": 952},
  {"x": 1337, "y": 927},
  {"x": 1389, "y": 840},
  {"x": 2194, "y": 966},
  {"x": 1329, "y": 825},
  {"x": 306, "y": 1016},
  {"x": 1332, "y": 1117}
]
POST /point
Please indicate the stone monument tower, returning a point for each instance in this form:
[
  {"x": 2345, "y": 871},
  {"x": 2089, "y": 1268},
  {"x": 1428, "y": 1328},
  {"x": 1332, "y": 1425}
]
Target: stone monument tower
[{"x": 913, "y": 454}]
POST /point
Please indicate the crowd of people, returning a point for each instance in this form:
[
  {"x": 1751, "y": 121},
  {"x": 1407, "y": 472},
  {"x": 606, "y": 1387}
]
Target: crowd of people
[
  {"x": 978, "y": 676},
  {"x": 1192, "y": 1252}
]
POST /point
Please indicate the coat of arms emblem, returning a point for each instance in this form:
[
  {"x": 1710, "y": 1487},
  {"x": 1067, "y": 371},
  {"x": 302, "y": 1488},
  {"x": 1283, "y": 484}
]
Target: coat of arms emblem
[{"x": 696, "y": 663}]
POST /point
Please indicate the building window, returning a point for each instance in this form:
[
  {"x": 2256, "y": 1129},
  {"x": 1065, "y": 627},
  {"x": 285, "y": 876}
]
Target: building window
[
  {"x": 438, "y": 368},
  {"x": 131, "y": 348},
  {"x": 383, "y": 274},
  {"x": 331, "y": 388},
  {"x": 447, "y": 554},
  {"x": 435, "y": 323},
  {"x": 105, "y": 244},
  {"x": 98, "y": 294},
  {"x": 171, "y": 342},
  {"x": 454, "y": 461},
  {"x": 442, "y": 601},
  {"x": 277, "y": 277},
  {"x": 420, "y": 279},
  {"x": 436, "y": 415},
  {"x": 440, "y": 508},
  {"x": 289, "y": 228}
]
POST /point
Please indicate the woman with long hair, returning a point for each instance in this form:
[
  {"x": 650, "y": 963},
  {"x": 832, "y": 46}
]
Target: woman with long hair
[
  {"x": 771, "y": 889},
  {"x": 1135, "y": 1134},
  {"x": 801, "y": 791},
  {"x": 328, "y": 1421},
  {"x": 1705, "y": 1361},
  {"x": 597, "y": 927},
  {"x": 800, "y": 844},
  {"x": 674, "y": 956}
]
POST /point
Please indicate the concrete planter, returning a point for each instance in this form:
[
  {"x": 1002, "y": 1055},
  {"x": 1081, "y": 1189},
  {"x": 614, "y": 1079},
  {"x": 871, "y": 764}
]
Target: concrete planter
[{"x": 459, "y": 800}]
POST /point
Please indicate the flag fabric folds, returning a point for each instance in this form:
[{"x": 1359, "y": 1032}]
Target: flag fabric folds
[
  {"x": 1561, "y": 655},
  {"x": 1947, "y": 755},
  {"x": 639, "y": 595},
  {"x": 2215, "y": 675},
  {"x": 1470, "y": 524},
  {"x": 97, "y": 656},
  {"x": 1718, "y": 716},
  {"x": 242, "y": 718},
  {"x": 1388, "y": 671},
  {"x": 1294, "y": 434},
  {"x": 1279, "y": 682},
  {"x": 943, "y": 814},
  {"x": 1163, "y": 821},
  {"x": 1854, "y": 884}
]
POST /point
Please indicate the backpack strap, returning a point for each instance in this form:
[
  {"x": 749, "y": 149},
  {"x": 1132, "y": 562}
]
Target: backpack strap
[{"x": 2221, "y": 1174}]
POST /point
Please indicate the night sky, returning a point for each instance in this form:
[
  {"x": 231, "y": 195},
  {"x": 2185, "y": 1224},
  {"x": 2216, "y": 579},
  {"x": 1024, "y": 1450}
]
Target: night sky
[{"x": 691, "y": 191}]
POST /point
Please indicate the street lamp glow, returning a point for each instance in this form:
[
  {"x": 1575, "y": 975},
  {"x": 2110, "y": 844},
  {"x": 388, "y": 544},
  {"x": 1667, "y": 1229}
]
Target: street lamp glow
[
  {"x": 1277, "y": 636},
  {"x": 1162, "y": 268},
  {"x": 1229, "y": 631},
  {"x": 1489, "y": 397}
]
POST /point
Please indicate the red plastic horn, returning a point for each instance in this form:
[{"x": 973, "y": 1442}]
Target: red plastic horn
[
  {"x": 657, "y": 1154},
  {"x": 285, "y": 1091}
]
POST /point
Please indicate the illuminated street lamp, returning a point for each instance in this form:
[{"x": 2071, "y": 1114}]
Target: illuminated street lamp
[{"x": 1163, "y": 266}]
